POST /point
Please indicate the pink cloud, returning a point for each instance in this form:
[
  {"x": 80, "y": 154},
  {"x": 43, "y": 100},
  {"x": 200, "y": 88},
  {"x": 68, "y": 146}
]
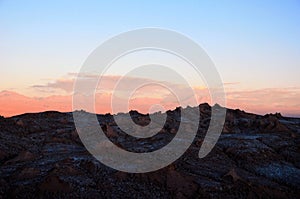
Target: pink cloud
[
  {"x": 261, "y": 101},
  {"x": 284, "y": 100}
]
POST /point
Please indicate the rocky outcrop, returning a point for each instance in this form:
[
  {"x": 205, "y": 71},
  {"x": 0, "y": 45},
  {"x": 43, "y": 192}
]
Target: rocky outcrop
[{"x": 256, "y": 156}]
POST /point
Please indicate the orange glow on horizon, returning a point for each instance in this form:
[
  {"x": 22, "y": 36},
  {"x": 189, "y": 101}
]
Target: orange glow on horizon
[{"x": 257, "y": 102}]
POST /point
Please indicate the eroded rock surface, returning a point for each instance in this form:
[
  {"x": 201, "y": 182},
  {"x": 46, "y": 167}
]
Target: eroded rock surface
[{"x": 41, "y": 156}]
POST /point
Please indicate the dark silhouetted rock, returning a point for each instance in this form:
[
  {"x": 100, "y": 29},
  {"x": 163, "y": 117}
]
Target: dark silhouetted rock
[{"x": 42, "y": 156}]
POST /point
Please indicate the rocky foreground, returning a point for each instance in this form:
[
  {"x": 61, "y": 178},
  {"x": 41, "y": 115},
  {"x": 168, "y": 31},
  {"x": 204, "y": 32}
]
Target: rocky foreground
[{"x": 41, "y": 156}]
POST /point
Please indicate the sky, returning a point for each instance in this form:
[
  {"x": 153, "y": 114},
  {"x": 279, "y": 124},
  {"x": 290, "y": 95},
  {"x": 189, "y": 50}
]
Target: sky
[{"x": 255, "y": 45}]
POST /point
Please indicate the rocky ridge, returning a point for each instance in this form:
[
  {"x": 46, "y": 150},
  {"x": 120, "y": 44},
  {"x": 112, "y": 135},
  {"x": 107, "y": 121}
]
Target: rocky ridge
[{"x": 256, "y": 156}]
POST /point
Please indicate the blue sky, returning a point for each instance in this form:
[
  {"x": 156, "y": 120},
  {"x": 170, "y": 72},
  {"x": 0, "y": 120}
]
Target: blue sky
[{"x": 255, "y": 43}]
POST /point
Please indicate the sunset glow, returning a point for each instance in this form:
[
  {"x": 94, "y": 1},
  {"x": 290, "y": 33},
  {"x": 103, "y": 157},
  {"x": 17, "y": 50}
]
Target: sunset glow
[{"x": 261, "y": 101}]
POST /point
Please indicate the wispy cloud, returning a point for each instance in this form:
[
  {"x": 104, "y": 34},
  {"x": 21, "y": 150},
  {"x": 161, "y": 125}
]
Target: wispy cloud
[
  {"x": 285, "y": 100},
  {"x": 262, "y": 101},
  {"x": 231, "y": 83},
  {"x": 62, "y": 84}
]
